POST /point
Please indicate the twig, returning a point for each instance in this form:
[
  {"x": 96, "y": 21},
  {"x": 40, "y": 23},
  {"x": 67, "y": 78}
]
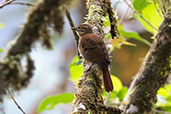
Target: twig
[
  {"x": 13, "y": 99},
  {"x": 72, "y": 25},
  {"x": 140, "y": 15},
  {"x": 13, "y": 2},
  {"x": 107, "y": 98},
  {"x": 123, "y": 16},
  {"x": 157, "y": 9},
  {"x": 6, "y": 2},
  {"x": 22, "y": 3}
]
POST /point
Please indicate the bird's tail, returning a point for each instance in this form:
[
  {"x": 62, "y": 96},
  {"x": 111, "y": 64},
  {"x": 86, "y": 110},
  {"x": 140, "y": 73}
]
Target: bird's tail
[{"x": 107, "y": 80}]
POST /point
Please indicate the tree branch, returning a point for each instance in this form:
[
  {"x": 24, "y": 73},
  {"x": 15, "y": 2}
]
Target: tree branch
[
  {"x": 22, "y": 3},
  {"x": 89, "y": 94},
  {"x": 19, "y": 107},
  {"x": 72, "y": 25},
  {"x": 8, "y": 2},
  {"x": 43, "y": 15},
  {"x": 154, "y": 72}
]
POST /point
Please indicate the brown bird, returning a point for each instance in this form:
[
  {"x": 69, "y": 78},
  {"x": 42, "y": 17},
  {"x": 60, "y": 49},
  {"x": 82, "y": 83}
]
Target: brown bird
[{"x": 93, "y": 49}]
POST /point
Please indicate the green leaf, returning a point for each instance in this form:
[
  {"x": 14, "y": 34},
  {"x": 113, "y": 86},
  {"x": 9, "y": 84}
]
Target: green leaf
[
  {"x": 165, "y": 91},
  {"x": 133, "y": 35},
  {"x": 112, "y": 98},
  {"x": 164, "y": 98},
  {"x": 166, "y": 108},
  {"x": 1, "y": 25},
  {"x": 152, "y": 16},
  {"x": 121, "y": 94},
  {"x": 163, "y": 103},
  {"x": 50, "y": 102},
  {"x": 1, "y": 50},
  {"x": 116, "y": 94},
  {"x": 140, "y": 4},
  {"x": 76, "y": 69},
  {"x": 116, "y": 83}
]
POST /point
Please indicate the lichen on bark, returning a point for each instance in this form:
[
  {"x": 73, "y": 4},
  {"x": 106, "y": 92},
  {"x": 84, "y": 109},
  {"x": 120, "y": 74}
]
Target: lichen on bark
[
  {"x": 44, "y": 14},
  {"x": 88, "y": 98},
  {"x": 155, "y": 70}
]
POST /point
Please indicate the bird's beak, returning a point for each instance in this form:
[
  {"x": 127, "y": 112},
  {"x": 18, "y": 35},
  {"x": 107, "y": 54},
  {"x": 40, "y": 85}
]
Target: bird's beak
[{"x": 74, "y": 28}]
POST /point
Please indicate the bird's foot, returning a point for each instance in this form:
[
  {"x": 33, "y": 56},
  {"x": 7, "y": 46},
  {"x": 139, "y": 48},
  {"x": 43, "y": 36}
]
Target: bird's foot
[
  {"x": 107, "y": 98},
  {"x": 88, "y": 66}
]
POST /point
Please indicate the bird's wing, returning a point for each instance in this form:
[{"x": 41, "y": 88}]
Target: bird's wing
[{"x": 95, "y": 50}]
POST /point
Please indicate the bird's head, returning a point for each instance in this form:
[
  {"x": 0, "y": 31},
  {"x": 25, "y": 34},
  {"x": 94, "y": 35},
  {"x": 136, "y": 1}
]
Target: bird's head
[{"x": 82, "y": 29}]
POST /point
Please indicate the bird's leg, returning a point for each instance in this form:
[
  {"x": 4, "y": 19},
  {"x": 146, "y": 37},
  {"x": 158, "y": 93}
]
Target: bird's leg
[
  {"x": 88, "y": 66},
  {"x": 107, "y": 98}
]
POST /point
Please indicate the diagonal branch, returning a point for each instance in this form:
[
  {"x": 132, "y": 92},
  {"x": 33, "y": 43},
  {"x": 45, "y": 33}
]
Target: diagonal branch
[
  {"x": 44, "y": 14},
  {"x": 10, "y": 2},
  {"x": 89, "y": 94},
  {"x": 6, "y": 2},
  {"x": 72, "y": 25},
  {"x": 154, "y": 72},
  {"x": 19, "y": 107}
]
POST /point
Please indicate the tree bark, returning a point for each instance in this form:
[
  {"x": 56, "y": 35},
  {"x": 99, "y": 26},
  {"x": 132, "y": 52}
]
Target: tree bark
[
  {"x": 156, "y": 69},
  {"x": 42, "y": 15},
  {"x": 89, "y": 94}
]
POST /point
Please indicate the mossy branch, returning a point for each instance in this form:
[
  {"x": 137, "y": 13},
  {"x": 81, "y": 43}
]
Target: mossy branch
[
  {"x": 155, "y": 70},
  {"x": 47, "y": 13},
  {"x": 89, "y": 94}
]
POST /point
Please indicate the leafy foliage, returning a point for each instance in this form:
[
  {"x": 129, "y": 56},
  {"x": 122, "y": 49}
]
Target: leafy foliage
[
  {"x": 50, "y": 102},
  {"x": 139, "y": 5},
  {"x": 117, "y": 83},
  {"x": 148, "y": 10},
  {"x": 164, "y": 98},
  {"x": 149, "y": 13},
  {"x": 123, "y": 36},
  {"x": 76, "y": 69},
  {"x": 133, "y": 35},
  {"x": 121, "y": 94},
  {"x": 119, "y": 90},
  {"x": 120, "y": 41}
]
